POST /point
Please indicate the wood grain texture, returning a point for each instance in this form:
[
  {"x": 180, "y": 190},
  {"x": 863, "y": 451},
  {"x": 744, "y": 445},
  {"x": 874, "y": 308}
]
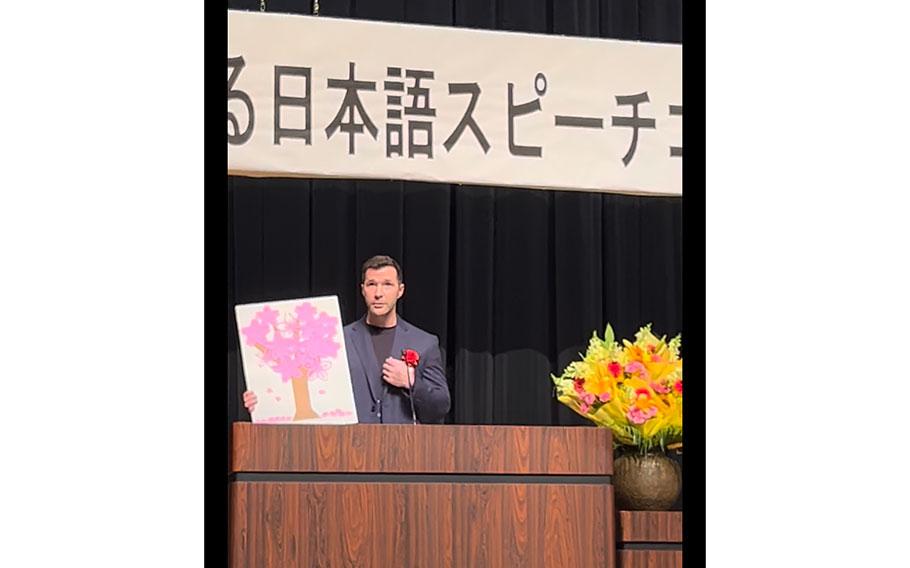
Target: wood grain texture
[
  {"x": 238, "y": 523},
  {"x": 650, "y": 526},
  {"x": 295, "y": 524},
  {"x": 398, "y": 448},
  {"x": 650, "y": 559}
]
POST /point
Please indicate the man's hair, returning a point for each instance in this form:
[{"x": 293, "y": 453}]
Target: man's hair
[{"x": 380, "y": 261}]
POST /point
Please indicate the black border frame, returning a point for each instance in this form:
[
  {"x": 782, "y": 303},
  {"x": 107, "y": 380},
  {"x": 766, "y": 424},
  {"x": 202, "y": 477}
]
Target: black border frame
[{"x": 217, "y": 313}]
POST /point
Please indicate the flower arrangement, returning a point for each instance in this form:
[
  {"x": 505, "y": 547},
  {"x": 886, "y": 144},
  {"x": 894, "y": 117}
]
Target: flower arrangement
[{"x": 634, "y": 389}]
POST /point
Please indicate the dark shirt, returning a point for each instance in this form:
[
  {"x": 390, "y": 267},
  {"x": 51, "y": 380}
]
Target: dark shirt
[{"x": 382, "y": 338}]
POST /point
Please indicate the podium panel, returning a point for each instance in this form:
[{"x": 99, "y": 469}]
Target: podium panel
[
  {"x": 650, "y": 539},
  {"x": 421, "y": 496}
]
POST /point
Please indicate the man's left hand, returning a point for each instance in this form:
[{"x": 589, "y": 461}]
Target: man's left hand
[{"x": 395, "y": 372}]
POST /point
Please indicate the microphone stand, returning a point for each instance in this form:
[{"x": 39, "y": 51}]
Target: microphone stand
[{"x": 412, "y": 377}]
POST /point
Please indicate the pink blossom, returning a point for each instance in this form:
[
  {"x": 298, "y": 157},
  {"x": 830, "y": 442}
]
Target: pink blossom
[
  {"x": 660, "y": 388},
  {"x": 298, "y": 342},
  {"x": 336, "y": 412},
  {"x": 277, "y": 419},
  {"x": 634, "y": 415},
  {"x": 588, "y": 398},
  {"x": 604, "y": 397},
  {"x": 635, "y": 367},
  {"x": 639, "y": 416},
  {"x": 584, "y": 407}
]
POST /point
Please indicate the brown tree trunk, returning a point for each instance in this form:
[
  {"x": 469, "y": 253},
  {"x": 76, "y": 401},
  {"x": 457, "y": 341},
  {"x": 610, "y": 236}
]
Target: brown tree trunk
[{"x": 301, "y": 387}]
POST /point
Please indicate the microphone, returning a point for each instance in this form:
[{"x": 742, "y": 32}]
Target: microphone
[{"x": 410, "y": 367}]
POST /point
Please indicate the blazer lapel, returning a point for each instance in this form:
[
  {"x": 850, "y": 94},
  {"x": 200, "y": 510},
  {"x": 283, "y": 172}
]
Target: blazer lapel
[
  {"x": 367, "y": 356},
  {"x": 401, "y": 339}
]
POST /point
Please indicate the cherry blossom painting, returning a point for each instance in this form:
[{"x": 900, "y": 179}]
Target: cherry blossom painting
[{"x": 294, "y": 359}]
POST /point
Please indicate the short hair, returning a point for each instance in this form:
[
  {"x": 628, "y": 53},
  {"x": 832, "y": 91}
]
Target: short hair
[{"x": 380, "y": 261}]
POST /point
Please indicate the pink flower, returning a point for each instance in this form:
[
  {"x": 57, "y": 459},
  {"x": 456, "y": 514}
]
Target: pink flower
[
  {"x": 635, "y": 415},
  {"x": 635, "y": 367},
  {"x": 614, "y": 368},
  {"x": 584, "y": 407},
  {"x": 660, "y": 388},
  {"x": 299, "y": 342},
  {"x": 579, "y": 386},
  {"x": 588, "y": 398},
  {"x": 604, "y": 396},
  {"x": 656, "y": 359},
  {"x": 677, "y": 386},
  {"x": 639, "y": 416}
]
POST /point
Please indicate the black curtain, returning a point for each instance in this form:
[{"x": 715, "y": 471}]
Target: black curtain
[{"x": 513, "y": 281}]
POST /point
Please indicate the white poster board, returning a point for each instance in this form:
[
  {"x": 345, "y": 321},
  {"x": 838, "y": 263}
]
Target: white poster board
[{"x": 294, "y": 359}]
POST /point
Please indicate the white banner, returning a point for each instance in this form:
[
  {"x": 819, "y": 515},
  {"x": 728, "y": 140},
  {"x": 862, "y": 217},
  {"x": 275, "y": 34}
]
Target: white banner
[{"x": 322, "y": 97}]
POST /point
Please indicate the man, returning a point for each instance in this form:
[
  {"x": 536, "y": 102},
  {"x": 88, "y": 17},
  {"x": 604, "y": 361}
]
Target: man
[{"x": 375, "y": 344}]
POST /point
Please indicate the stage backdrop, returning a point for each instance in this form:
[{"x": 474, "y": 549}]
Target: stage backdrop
[
  {"x": 512, "y": 281},
  {"x": 329, "y": 97}
]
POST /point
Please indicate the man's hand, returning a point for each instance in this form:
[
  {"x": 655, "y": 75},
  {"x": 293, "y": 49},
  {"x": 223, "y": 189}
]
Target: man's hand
[
  {"x": 250, "y": 400},
  {"x": 395, "y": 372}
]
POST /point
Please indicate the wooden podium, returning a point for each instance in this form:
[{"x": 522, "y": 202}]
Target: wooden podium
[
  {"x": 650, "y": 539},
  {"x": 421, "y": 496}
]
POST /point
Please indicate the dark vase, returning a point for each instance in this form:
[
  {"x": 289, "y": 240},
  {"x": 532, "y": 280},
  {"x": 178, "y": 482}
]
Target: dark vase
[{"x": 650, "y": 482}]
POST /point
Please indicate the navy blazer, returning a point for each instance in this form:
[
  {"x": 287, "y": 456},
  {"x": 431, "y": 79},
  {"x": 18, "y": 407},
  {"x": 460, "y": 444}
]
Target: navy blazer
[{"x": 379, "y": 402}]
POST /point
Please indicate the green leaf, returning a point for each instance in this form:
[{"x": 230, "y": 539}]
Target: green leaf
[{"x": 608, "y": 335}]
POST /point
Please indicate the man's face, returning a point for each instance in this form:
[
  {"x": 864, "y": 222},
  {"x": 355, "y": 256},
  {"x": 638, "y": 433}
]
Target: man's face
[{"x": 381, "y": 289}]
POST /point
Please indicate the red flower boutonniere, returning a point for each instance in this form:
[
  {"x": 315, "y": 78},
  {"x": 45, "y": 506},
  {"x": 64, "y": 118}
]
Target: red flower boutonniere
[{"x": 410, "y": 357}]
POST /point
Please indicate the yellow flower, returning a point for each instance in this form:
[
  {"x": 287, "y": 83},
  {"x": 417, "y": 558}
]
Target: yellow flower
[{"x": 599, "y": 381}]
